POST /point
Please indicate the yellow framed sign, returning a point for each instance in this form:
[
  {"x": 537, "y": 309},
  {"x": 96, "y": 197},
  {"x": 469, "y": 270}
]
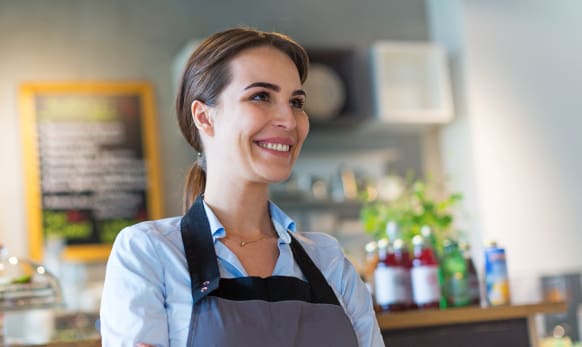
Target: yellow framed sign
[{"x": 91, "y": 164}]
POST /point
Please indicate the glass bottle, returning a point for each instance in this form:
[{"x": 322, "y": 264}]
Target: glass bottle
[
  {"x": 392, "y": 276},
  {"x": 429, "y": 237},
  {"x": 399, "y": 250},
  {"x": 455, "y": 275},
  {"x": 425, "y": 274},
  {"x": 370, "y": 264},
  {"x": 474, "y": 284}
]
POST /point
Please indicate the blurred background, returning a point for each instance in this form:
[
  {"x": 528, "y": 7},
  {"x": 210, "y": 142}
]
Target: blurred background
[{"x": 501, "y": 127}]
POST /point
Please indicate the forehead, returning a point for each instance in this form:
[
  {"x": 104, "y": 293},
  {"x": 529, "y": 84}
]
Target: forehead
[{"x": 264, "y": 64}]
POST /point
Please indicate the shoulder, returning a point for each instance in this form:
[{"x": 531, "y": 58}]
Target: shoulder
[
  {"x": 317, "y": 240},
  {"x": 151, "y": 249},
  {"x": 150, "y": 235},
  {"x": 160, "y": 228},
  {"x": 323, "y": 248}
]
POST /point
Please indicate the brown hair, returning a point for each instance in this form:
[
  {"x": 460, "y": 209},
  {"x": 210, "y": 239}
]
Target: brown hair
[{"x": 206, "y": 75}]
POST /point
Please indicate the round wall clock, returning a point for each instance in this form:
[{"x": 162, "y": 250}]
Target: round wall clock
[{"x": 326, "y": 93}]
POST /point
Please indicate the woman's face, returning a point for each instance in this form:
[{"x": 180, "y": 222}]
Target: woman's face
[{"x": 259, "y": 124}]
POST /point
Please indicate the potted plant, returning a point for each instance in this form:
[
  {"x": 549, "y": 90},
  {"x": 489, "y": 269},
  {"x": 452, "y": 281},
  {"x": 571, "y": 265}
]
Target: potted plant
[{"x": 416, "y": 205}]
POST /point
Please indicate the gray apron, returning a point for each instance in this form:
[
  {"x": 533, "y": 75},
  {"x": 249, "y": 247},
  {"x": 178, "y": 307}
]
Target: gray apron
[{"x": 252, "y": 311}]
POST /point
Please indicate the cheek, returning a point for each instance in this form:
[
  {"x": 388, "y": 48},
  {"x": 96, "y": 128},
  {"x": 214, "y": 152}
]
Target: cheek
[
  {"x": 303, "y": 126},
  {"x": 232, "y": 123},
  {"x": 249, "y": 118}
]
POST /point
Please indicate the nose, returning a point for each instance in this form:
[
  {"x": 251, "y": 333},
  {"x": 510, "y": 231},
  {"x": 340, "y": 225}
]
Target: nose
[{"x": 285, "y": 117}]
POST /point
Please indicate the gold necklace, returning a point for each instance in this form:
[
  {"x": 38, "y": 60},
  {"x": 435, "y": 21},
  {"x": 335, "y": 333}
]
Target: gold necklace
[{"x": 244, "y": 243}]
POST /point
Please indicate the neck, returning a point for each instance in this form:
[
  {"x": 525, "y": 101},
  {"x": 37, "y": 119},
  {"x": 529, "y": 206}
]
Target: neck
[{"x": 241, "y": 208}]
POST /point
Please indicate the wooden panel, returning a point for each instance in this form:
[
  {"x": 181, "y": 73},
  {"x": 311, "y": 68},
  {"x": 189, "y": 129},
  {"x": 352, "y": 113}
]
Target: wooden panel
[{"x": 512, "y": 332}]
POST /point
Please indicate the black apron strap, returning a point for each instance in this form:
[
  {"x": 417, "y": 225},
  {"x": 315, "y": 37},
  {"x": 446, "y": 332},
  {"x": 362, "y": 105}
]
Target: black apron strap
[
  {"x": 199, "y": 250},
  {"x": 321, "y": 290},
  {"x": 203, "y": 264}
]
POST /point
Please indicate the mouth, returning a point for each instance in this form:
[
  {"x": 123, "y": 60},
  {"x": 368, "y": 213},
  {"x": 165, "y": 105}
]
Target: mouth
[
  {"x": 278, "y": 147},
  {"x": 281, "y": 146}
]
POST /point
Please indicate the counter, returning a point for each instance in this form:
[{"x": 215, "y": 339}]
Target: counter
[
  {"x": 78, "y": 343},
  {"x": 469, "y": 326}
]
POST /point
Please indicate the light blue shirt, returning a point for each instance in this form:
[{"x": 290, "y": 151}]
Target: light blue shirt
[{"x": 147, "y": 296}]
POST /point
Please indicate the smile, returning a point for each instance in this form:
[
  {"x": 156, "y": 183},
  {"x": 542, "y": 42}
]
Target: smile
[{"x": 279, "y": 147}]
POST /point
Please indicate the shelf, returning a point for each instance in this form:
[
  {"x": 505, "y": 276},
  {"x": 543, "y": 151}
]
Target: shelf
[
  {"x": 341, "y": 122},
  {"x": 368, "y": 125},
  {"x": 346, "y": 209},
  {"x": 317, "y": 204},
  {"x": 425, "y": 318}
]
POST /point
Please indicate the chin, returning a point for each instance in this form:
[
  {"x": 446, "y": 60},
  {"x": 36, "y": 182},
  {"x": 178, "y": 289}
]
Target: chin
[
  {"x": 270, "y": 173},
  {"x": 277, "y": 177}
]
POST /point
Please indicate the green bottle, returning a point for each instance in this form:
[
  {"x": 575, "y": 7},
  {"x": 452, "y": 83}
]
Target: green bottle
[
  {"x": 427, "y": 234},
  {"x": 455, "y": 275}
]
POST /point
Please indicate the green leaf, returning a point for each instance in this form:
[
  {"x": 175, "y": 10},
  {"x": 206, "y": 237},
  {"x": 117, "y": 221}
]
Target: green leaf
[{"x": 416, "y": 207}]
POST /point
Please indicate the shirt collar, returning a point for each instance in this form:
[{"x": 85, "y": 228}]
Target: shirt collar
[{"x": 281, "y": 221}]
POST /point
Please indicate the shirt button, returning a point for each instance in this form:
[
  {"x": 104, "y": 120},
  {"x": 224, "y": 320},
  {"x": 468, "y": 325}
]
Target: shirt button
[
  {"x": 205, "y": 283},
  {"x": 203, "y": 289}
]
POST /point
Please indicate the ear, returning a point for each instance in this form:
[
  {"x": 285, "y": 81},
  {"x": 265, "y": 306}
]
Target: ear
[{"x": 203, "y": 117}]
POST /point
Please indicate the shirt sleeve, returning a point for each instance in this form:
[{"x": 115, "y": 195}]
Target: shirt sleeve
[
  {"x": 132, "y": 305},
  {"x": 353, "y": 294},
  {"x": 359, "y": 307}
]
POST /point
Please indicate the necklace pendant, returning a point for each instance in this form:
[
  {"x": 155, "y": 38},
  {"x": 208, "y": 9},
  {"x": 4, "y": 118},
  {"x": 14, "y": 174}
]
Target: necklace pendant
[{"x": 242, "y": 243}]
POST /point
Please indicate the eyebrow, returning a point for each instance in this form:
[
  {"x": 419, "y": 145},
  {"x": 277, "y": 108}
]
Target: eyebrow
[{"x": 273, "y": 87}]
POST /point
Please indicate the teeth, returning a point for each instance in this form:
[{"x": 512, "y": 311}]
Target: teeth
[{"x": 275, "y": 146}]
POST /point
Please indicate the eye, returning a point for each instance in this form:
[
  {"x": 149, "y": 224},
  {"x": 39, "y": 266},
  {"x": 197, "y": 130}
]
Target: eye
[
  {"x": 261, "y": 96},
  {"x": 298, "y": 103}
]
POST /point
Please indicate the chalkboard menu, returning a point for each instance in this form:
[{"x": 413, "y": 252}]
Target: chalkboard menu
[{"x": 91, "y": 164}]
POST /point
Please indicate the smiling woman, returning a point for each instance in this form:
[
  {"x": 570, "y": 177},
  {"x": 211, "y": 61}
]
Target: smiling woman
[{"x": 233, "y": 271}]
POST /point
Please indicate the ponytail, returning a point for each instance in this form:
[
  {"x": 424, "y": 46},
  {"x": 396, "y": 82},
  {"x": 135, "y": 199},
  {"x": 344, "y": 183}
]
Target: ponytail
[{"x": 195, "y": 184}]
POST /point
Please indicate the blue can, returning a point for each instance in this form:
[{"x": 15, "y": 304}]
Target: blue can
[{"x": 496, "y": 277}]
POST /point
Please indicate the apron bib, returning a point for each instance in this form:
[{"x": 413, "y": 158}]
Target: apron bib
[{"x": 252, "y": 311}]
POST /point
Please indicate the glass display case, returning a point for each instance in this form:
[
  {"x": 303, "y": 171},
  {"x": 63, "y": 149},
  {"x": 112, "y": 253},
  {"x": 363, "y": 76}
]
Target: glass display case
[
  {"x": 28, "y": 295},
  {"x": 26, "y": 285}
]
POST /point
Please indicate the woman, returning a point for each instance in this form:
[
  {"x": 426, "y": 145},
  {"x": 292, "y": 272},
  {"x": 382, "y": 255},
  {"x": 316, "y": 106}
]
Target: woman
[{"x": 232, "y": 271}]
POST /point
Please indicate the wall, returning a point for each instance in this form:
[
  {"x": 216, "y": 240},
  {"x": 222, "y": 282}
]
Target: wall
[
  {"x": 522, "y": 70},
  {"x": 66, "y": 40},
  {"x": 446, "y": 21}
]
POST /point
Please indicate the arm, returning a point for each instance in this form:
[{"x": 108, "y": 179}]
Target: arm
[
  {"x": 132, "y": 305},
  {"x": 346, "y": 283},
  {"x": 359, "y": 307}
]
